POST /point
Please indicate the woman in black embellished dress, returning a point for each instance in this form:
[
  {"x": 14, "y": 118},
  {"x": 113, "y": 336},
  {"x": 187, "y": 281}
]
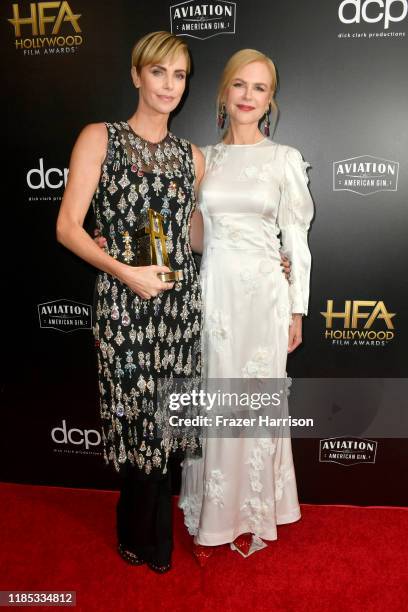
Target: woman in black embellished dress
[{"x": 145, "y": 329}]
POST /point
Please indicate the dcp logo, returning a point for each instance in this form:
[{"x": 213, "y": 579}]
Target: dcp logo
[
  {"x": 373, "y": 11},
  {"x": 78, "y": 437},
  {"x": 53, "y": 178}
]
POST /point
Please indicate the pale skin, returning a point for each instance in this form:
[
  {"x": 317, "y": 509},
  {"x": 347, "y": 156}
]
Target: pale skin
[{"x": 160, "y": 90}]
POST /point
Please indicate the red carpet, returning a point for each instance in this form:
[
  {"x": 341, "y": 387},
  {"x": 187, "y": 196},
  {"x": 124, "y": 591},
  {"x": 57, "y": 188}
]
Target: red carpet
[{"x": 335, "y": 558}]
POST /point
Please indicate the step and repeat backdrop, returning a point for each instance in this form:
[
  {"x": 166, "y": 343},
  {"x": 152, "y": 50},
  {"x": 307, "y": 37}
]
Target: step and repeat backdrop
[{"x": 343, "y": 88}]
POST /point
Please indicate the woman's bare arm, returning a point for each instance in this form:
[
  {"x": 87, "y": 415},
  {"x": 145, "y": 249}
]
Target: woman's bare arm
[{"x": 84, "y": 174}]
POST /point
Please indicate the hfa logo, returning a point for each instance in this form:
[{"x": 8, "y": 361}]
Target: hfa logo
[
  {"x": 44, "y": 24},
  {"x": 355, "y": 322},
  {"x": 203, "y": 19}
]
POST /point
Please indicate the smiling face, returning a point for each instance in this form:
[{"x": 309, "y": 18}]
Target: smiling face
[
  {"x": 162, "y": 85},
  {"x": 248, "y": 96}
]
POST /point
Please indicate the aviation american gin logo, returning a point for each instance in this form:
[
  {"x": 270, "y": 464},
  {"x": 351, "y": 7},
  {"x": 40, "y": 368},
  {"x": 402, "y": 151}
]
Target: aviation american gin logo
[
  {"x": 365, "y": 175},
  {"x": 203, "y": 19},
  {"x": 65, "y": 315}
]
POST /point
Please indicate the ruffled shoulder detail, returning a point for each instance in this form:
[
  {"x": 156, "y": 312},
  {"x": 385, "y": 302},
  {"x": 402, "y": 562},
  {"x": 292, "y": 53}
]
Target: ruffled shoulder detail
[
  {"x": 294, "y": 157},
  {"x": 296, "y": 206},
  {"x": 214, "y": 156}
]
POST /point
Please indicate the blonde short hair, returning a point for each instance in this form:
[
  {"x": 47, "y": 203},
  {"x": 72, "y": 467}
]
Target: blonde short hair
[
  {"x": 239, "y": 60},
  {"x": 154, "y": 47}
]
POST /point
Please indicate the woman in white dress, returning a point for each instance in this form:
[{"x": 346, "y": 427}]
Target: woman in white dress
[{"x": 254, "y": 201}]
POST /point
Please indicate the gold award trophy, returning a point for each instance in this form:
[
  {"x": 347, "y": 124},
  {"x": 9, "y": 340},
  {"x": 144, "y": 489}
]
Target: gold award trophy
[{"x": 151, "y": 246}]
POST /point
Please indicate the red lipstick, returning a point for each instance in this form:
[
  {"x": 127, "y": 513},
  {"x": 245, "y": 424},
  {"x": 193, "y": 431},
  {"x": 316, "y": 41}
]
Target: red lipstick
[{"x": 245, "y": 107}]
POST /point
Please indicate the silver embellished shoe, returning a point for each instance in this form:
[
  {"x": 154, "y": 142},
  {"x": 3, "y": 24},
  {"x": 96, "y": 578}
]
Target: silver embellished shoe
[{"x": 130, "y": 557}]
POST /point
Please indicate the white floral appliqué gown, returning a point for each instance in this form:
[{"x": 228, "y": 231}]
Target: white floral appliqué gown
[{"x": 249, "y": 196}]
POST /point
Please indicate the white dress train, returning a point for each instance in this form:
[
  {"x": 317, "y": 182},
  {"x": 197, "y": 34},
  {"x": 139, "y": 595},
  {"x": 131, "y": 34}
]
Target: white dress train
[{"x": 249, "y": 196}]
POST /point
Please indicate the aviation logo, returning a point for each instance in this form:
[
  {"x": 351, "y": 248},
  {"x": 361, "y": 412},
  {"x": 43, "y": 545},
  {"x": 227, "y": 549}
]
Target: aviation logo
[
  {"x": 65, "y": 315},
  {"x": 365, "y": 175},
  {"x": 203, "y": 19},
  {"x": 347, "y": 451}
]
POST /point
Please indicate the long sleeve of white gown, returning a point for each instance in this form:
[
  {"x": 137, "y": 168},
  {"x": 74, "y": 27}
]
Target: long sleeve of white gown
[{"x": 294, "y": 217}]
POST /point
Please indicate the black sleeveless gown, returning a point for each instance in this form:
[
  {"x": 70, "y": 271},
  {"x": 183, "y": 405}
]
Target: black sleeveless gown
[{"x": 140, "y": 341}]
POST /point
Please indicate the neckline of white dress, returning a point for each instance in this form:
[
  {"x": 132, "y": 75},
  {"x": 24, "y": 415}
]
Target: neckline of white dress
[{"x": 253, "y": 144}]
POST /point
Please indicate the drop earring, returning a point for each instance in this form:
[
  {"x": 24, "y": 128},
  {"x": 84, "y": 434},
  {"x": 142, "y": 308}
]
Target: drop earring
[
  {"x": 267, "y": 124},
  {"x": 222, "y": 114}
]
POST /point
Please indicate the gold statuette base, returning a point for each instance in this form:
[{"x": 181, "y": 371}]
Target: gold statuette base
[{"x": 169, "y": 277}]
